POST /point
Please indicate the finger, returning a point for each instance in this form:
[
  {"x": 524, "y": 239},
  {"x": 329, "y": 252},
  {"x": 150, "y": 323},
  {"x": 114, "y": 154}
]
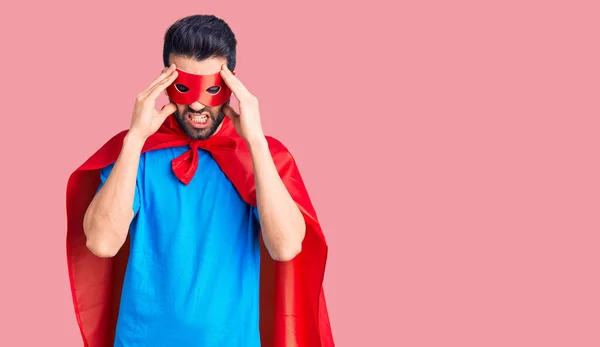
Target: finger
[
  {"x": 229, "y": 77},
  {"x": 167, "y": 110},
  {"x": 236, "y": 86},
  {"x": 155, "y": 92},
  {"x": 165, "y": 73}
]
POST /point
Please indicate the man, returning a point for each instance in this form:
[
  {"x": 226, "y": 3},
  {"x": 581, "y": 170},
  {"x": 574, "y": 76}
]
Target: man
[{"x": 193, "y": 228}]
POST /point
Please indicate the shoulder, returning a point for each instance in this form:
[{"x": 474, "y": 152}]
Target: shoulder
[{"x": 106, "y": 154}]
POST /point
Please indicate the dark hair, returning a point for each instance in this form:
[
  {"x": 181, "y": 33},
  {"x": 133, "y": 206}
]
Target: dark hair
[{"x": 200, "y": 37}]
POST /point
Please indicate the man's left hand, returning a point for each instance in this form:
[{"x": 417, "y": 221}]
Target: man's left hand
[{"x": 247, "y": 121}]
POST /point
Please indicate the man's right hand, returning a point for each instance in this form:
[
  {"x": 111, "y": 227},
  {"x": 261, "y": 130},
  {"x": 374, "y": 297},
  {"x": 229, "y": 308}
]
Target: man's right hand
[{"x": 146, "y": 119}]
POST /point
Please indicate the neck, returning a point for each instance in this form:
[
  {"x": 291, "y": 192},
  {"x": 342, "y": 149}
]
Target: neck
[{"x": 218, "y": 129}]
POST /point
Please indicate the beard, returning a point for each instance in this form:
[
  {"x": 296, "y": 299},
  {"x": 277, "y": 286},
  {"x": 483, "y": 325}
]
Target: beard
[{"x": 215, "y": 118}]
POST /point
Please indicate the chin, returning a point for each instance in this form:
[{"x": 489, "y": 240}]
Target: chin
[{"x": 199, "y": 134}]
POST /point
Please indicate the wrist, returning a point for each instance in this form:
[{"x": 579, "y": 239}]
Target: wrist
[
  {"x": 257, "y": 143},
  {"x": 134, "y": 140}
]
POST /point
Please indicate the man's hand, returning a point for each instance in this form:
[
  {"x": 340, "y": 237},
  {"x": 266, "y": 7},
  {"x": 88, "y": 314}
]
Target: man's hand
[
  {"x": 247, "y": 121},
  {"x": 282, "y": 224},
  {"x": 146, "y": 120}
]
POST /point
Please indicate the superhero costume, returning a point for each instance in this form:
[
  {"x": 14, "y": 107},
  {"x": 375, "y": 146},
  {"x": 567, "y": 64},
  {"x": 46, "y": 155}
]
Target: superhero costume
[{"x": 293, "y": 310}]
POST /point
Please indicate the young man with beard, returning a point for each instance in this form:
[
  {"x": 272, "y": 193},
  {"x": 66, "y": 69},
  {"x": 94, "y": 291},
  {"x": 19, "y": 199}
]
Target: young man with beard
[{"x": 193, "y": 228}]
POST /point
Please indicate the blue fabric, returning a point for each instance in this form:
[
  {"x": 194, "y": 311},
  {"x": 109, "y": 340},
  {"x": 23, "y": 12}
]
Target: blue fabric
[{"x": 193, "y": 273}]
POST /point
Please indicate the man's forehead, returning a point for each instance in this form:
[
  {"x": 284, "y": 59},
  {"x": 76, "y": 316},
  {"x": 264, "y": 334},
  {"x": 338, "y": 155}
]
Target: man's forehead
[{"x": 205, "y": 67}]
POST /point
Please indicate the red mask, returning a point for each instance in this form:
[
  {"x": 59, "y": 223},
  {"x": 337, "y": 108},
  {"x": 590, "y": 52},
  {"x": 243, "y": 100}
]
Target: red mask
[{"x": 209, "y": 90}]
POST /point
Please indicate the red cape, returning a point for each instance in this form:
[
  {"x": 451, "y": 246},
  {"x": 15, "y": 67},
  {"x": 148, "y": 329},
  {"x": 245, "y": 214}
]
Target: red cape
[{"x": 293, "y": 311}]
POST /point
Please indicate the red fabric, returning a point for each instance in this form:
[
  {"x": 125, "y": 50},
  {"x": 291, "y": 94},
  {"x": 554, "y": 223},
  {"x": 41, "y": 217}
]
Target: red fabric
[
  {"x": 198, "y": 86},
  {"x": 293, "y": 309}
]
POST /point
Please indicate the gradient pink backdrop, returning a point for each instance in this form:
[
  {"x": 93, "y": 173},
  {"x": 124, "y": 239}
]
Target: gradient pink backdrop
[{"x": 450, "y": 148}]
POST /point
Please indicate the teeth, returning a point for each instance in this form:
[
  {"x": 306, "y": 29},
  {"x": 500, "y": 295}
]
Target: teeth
[{"x": 199, "y": 119}]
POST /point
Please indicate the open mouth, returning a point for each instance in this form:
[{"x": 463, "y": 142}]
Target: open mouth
[{"x": 198, "y": 120}]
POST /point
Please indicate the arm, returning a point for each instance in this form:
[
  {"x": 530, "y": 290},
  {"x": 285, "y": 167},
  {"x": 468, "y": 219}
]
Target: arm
[
  {"x": 107, "y": 219},
  {"x": 282, "y": 224}
]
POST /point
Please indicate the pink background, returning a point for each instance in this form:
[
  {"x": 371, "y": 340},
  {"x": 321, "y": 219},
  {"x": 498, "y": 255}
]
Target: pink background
[{"x": 450, "y": 148}]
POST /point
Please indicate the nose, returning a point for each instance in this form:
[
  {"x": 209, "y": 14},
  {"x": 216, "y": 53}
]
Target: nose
[{"x": 196, "y": 106}]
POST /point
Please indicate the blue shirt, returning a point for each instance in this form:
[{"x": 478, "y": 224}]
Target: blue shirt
[{"x": 192, "y": 278}]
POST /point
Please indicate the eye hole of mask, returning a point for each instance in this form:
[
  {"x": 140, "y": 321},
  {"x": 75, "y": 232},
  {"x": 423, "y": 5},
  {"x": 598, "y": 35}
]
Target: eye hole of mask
[
  {"x": 182, "y": 88},
  {"x": 213, "y": 90}
]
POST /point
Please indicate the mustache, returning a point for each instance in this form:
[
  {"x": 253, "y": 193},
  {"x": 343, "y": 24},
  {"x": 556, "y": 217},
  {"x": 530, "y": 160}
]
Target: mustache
[{"x": 204, "y": 110}]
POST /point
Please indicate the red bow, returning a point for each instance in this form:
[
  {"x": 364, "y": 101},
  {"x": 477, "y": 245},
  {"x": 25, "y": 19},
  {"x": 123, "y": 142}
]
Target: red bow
[{"x": 185, "y": 165}]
